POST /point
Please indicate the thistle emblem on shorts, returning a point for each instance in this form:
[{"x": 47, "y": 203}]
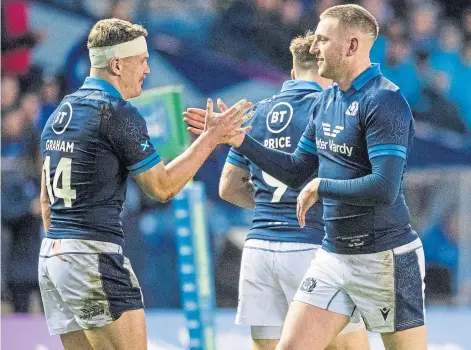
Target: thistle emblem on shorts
[{"x": 308, "y": 285}]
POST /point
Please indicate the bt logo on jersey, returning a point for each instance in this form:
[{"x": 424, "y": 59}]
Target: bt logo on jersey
[
  {"x": 279, "y": 117},
  {"x": 62, "y": 118}
]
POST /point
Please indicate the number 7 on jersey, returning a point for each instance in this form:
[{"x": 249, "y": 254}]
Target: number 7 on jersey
[{"x": 280, "y": 187}]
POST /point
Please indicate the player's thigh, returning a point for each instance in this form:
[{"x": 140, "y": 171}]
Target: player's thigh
[
  {"x": 264, "y": 344},
  {"x": 388, "y": 288},
  {"x": 321, "y": 309},
  {"x": 75, "y": 341},
  {"x": 308, "y": 327},
  {"x": 261, "y": 299},
  {"x": 291, "y": 263},
  {"x": 410, "y": 339},
  {"x": 127, "y": 332}
]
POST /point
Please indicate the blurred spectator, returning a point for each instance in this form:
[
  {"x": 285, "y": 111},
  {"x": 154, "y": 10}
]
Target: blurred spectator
[
  {"x": 380, "y": 9},
  {"x": 185, "y": 19},
  {"x": 447, "y": 57},
  {"x": 466, "y": 22},
  {"x": 310, "y": 16},
  {"x": 441, "y": 256},
  {"x": 423, "y": 26},
  {"x": 432, "y": 106},
  {"x": 10, "y": 93},
  {"x": 269, "y": 24},
  {"x": 234, "y": 32},
  {"x": 399, "y": 68},
  {"x": 50, "y": 94},
  {"x": 394, "y": 31},
  {"x": 397, "y": 29},
  {"x": 17, "y": 42},
  {"x": 17, "y": 38},
  {"x": 20, "y": 208}
]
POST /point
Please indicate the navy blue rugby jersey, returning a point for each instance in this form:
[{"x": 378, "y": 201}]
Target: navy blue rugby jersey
[
  {"x": 90, "y": 145},
  {"x": 348, "y": 129},
  {"x": 279, "y": 123}
]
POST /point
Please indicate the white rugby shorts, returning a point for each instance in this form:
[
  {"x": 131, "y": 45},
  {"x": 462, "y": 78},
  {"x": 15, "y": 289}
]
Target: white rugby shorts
[
  {"x": 270, "y": 275},
  {"x": 386, "y": 289},
  {"x": 85, "y": 284}
]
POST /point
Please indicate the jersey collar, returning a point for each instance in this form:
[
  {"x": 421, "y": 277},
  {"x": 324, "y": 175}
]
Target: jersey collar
[
  {"x": 92, "y": 83},
  {"x": 366, "y": 76},
  {"x": 300, "y": 85}
]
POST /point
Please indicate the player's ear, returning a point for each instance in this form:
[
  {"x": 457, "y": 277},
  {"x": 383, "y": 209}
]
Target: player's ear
[
  {"x": 352, "y": 46},
  {"x": 293, "y": 74},
  {"x": 116, "y": 65}
]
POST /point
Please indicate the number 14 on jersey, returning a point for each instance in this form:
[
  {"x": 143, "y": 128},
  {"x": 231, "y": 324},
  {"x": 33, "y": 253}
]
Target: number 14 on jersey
[{"x": 64, "y": 168}]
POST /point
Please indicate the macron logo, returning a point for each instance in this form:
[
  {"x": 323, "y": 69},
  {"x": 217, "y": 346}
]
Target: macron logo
[{"x": 327, "y": 130}]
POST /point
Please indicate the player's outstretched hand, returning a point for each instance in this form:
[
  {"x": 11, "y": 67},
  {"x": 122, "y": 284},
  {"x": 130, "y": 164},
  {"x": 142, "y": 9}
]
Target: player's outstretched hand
[
  {"x": 196, "y": 119},
  {"x": 306, "y": 199},
  {"x": 227, "y": 124}
]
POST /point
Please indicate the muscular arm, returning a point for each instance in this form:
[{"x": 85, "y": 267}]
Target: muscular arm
[
  {"x": 162, "y": 182},
  {"x": 44, "y": 200},
  {"x": 159, "y": 181},
  {"x": 235, "y": 186}
]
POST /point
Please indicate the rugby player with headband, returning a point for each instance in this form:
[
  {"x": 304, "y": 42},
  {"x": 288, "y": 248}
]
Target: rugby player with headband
[{"x": 90, "y": 293}]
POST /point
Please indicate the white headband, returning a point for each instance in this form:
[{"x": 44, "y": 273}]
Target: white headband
[{"x": 100, "y": 56}]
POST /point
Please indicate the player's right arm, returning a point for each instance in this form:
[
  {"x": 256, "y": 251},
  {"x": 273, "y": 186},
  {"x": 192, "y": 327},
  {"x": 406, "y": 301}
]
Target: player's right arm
[
  {"x": 234, "y": 185},
  {"x": 44, "y": 200},
  {"x": 127, "y": 132}
]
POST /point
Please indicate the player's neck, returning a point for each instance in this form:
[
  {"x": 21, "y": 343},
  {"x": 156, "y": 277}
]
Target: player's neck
[
  {"x": 103, "y": 75},
  {"x": 352, "y": 73},
  {"x": 313, "y": 76}
]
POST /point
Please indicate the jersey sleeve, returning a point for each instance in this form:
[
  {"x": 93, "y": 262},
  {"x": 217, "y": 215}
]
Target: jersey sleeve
[
  {"x": 388, "y": 123},
  {"x": 126, "y": 131},
  {"x": 236, "y": 158},
  {"x": 307, "y": 142}
]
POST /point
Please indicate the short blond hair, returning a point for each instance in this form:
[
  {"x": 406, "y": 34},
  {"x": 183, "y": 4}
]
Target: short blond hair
[
  {"x": 112, "y": 31},
  {"x": 354, "y": 16},
  {"x": 299, "y": 48}
]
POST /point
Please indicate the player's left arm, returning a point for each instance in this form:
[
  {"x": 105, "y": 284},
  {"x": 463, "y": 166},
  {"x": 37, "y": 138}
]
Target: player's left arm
[
  {"x": 387, "y": 122},
  {"x": 44, "y": 200}
]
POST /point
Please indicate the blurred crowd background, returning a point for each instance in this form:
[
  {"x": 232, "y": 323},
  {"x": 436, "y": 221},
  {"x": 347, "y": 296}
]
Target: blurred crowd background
[{"x": 232, "y": 49}]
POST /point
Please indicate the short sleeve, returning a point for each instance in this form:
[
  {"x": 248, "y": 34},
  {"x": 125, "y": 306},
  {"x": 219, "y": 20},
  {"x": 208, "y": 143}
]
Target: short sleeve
[
  {"x": 388, "y": 125},
  {"x": 237, "y": 159},
  {"x": 126, "y": 131}
]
